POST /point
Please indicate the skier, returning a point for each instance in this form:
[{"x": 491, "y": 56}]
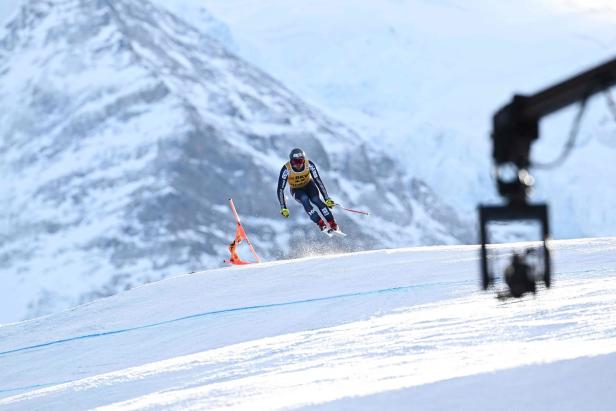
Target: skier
[{"x": 305, "y": 185}]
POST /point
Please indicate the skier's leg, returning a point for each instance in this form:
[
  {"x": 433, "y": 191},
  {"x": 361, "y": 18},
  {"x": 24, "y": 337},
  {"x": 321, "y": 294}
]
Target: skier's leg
[
  {"x": 302, "y": 197},
  {"x": 313, "y": 194}
]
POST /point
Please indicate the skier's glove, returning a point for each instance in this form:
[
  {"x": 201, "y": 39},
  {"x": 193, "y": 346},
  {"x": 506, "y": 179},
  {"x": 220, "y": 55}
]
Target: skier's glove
[
  {"x": 330, "y": 203},
  {"x": 284, "y": 212}
]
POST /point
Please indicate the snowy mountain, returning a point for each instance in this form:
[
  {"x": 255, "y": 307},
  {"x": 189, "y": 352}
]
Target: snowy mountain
[
  {"x": 124, "y": 132},
  {"x": 390, "y": 329},
  {"x": 424, "y": 78}
]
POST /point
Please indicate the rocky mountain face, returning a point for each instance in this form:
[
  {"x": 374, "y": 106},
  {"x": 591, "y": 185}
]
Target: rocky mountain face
[
  {"x": 426, "y": 77},
  {"x": 125, "y": 130}
]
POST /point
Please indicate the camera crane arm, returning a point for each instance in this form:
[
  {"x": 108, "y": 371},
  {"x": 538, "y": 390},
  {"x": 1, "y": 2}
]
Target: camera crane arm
[
  {"x": 516, "y": 125},
  {"x": 515, "y": 128}
]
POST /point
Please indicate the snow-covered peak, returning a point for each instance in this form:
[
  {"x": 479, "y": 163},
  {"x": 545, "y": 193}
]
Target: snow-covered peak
[
  {"x": 194, "y": 13},
  {"x": 125, "y": 130},
  {"x": 424, "y": 77}
]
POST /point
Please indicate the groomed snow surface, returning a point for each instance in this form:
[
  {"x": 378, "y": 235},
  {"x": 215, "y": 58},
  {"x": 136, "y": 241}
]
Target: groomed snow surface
[{"x": 392, "y": 329}]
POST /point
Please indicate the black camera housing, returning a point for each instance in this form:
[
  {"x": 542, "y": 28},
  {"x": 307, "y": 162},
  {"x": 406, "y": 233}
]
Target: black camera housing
[{"x": 513, "y": 212}]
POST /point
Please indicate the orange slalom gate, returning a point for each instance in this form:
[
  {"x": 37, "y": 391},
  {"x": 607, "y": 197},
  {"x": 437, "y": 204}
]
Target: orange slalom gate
[{"x": 240, "y": 235}]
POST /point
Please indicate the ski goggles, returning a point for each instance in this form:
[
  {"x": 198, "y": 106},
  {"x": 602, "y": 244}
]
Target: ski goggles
[{"x": 297, "y": 162}]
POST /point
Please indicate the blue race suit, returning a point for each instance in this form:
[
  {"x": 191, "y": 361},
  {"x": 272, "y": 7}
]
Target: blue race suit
[{"x": 306, "y": 194}]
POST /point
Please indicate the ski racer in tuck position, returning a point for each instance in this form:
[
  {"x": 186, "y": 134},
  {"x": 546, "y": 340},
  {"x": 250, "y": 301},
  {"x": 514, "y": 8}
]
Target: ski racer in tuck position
[{"x": 305, "y": 185}]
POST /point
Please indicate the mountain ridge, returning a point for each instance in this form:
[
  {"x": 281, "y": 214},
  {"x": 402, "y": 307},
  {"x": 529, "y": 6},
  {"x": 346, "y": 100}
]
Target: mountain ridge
[{"x": 126, "y": 135}]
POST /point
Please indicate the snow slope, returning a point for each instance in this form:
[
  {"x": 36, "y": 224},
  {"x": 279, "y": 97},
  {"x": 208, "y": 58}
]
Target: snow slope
[{"x": 389, "y": 329}]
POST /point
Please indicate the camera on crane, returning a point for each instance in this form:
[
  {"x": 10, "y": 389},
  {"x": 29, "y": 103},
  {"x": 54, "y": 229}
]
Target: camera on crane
[
  {"x": 515, "y": 129},
  {"x": 515, "y": 257}
]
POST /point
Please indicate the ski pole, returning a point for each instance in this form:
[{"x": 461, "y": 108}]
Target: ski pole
[{"x": 351, "y": 210}]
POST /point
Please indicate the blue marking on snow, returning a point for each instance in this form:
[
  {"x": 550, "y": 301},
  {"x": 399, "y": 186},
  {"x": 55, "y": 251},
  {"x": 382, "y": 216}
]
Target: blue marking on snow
[
  {"x": 35, "y": 386},
  {"x": 226, "y": 311}
]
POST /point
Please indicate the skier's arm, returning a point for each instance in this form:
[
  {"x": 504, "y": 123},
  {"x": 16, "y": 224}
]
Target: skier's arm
[
  {"x": 282, "y": 183},
  {"x": 317, "y": 179}
]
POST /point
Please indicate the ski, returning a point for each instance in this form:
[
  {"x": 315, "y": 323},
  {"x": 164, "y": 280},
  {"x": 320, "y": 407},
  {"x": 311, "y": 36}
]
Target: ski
[{"x": 337, "y": 232}]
